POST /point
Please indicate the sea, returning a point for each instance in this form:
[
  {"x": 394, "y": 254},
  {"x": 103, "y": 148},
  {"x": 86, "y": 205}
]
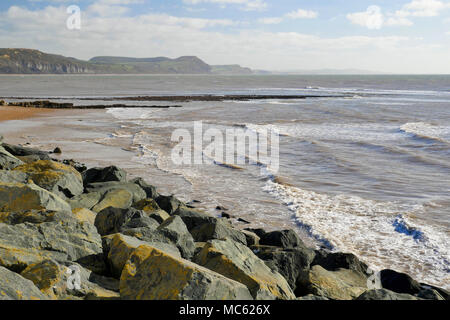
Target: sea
[{"x": 364, "y": 167}]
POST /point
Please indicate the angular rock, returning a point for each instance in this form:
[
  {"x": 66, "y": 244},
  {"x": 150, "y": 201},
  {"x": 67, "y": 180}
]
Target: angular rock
[
  {"x": 55, "y": 177},
  {"x": 52, "y": 279},
  {"x": 193, "y": 218},
  {"x": 104, "y": 175},
  {"x": 151, "y": 208},
  {"x": 23, "y": 151},
  {"x": 104, "y": 187},
  {"x": 85, "y": 200},
  {"x": 290, "y": 263},
  {"x": 25, "y": 244},
  {"x": 149, "y": 189},
  {"x": 13, "y": 176},
  {"x": 114, "y": 220},
  {"x": 7, "y": 160},
  {"x": 169, "y": 203},
  {"x": 236, "y": 261},
  {"x": 15, "y": 287},
  {"x": 430, "y": 294},
  {"x": 259, "y": 232},
  {"x": 34, "y": 216},
  {"x": 121, "y": 247},
  {"x": 283, "y": 239},
  {"x": 175, "y": 230},
  {"x": 342, "y": 284},
  {"x": 311, "y": 297},
  {"x": 252, "y": 238},
  {"x": 151, "y": 274},
  {"x": 335, "y": 261},
  {"x": 21, "y": 197},
  {"x": 117, "y": 198},
  {"x": 399, "y": 282},
  {"x": 384, "y": 294},
  {"x": 84, "y": 215},
  {"x": 218, "y": 229}
]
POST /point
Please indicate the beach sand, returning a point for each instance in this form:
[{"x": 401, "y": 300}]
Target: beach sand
[{"x": 18, "y": 113}]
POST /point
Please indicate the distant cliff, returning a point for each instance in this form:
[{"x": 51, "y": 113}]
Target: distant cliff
[{"x": 28, "y": 61}]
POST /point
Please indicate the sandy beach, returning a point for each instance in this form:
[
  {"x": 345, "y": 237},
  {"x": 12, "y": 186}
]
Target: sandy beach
[{"x": 17, "y": 113}]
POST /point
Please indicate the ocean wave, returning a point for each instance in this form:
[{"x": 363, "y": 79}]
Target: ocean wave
[
  {"x": 427, "y": 131},
  {"x": 383, "y": 234}
]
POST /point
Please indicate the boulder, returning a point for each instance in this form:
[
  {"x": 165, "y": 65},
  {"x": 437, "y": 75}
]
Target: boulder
[
  {"x": 283, "y": 239},
  {"x": 176, "y": 231},
  {"x": 342, "y": 284},
  {"x": 7, "y": 160},
  {"x": 13, "y": 176},
  {"x": 384, "y": 294},
  {"x": 66, "y": 240},
  {"x": 430, "y": 294},
  {"x": 151, "y": 208},
  {"x": 335, "y": 261},
  {"x": 399, "y": 282},
  {"x": 114, "y": 220},
  {"x": 236, "y": 261},
  {"x": 84, "y": 215},
  {"x": 218, "y": 229},
  {"x": 259, "y": 232},
  {"x": 85, "y": 200},
  {"x": 34, "y": 216},
  {"x": 19, "y": 151},
  {"x": 251, "y": 238},
  {"x": 311, "y": 297},
  {"x": 104, "y": 175},
  {"x": 116, "y": 198},
  {"x": 15, "y": 287},
  {"x": 151, "y": 274},
  {"x": 55, "y": 177},
  {"x": 104, "y": 187},
  {"x": 149, "y": 189},
  {"x": 121, "y": 247},
  {"x": 169, "y": 203},
  {"x": 290, "y": 263},
  {"x": 193, "y": 218},
  {"x": 23, "y": 197},
  {"x": 52, "y": 279}
]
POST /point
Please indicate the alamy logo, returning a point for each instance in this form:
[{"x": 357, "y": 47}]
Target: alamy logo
[
  {"x": 231, "y": 147},
  {"x": 74, "y": 20},
  {"x": 74, "y": 278}
]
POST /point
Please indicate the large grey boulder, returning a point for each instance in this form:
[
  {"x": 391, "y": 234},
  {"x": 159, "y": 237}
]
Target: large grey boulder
[
  {"x": 15, "y": 287},
  {"x": 7, "y": 160},
  {"x": 121, "y": 247},
  {"x": 342, "y": 284},
  {"x": 112, "y": 173},
  {"x": 236, "y": 261},
  {"x": 85, "y": 200},
  {"x": 19, "y": 151},
  {"x": 384, "y": 294},
  {"x": 290, "y": 263},
  {"x": 149, "y": 189},
  {"x": 175, "y": 230},
  {"x": 52, "y": 278},
  {"x": 58, "y": 178},
  {"x": 333, "y": 261},
  {"x": 137, "y": 192},
  {"x": 399, "y": 282},
  {"x": 114, "y": 220},
  {"x": 151, "y": 274},
  {"x": 170, "y": 204},
  {"x": 23, "y": 197},
  {"x": 65, "y": 240},
  {"x": 283, "y": 239},
  {"x": 204, "y": 227},
  {"x": 13, "y": 176}
]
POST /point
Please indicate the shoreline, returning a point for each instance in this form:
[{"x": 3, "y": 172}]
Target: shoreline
[{"x": 279, "y": 263}]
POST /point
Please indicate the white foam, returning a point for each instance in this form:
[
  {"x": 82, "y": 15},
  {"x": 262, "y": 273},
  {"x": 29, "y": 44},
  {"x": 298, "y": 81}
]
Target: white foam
[
  {"x": 368, "y": 229},
  {"x": 427, "y": 131},
  {"x": 132, "y": 113}
]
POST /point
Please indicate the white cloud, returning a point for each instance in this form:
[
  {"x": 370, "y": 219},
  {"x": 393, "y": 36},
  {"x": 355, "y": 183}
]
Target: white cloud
[
  {"x": 148, "y": 35},
  {"x": 248, "y": 5},
  {"x": 423, "y": 8},
  {"x": 372, "y": 18},
  {"x": 270, "y": 20},
  {"x": 302, "y": 14}
]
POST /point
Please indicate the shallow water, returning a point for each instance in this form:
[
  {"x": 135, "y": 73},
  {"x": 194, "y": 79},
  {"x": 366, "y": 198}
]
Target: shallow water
[{"x": 367, "y": 174}]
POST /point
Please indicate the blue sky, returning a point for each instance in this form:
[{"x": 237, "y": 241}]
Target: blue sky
[{"x": 401, "y": 36}]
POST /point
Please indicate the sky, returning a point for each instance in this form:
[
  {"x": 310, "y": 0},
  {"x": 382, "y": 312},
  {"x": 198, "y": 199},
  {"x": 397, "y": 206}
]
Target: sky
[{"x": 392, "y": 36}]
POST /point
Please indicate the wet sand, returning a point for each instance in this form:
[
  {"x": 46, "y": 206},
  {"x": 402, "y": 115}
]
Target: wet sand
[{"x": 17, "y": 113}]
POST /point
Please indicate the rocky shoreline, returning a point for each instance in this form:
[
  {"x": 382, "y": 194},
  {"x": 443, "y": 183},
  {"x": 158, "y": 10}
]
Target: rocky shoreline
[{"x": 68, "y": 232}]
